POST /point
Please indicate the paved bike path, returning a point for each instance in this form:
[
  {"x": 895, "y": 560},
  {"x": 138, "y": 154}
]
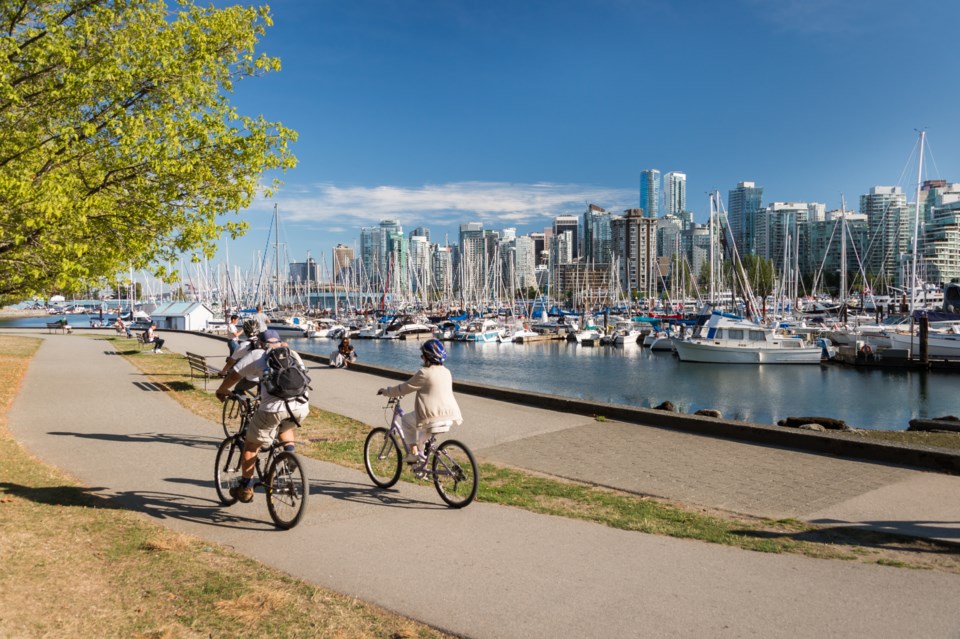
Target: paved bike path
[{"x": 485, "y": 571}]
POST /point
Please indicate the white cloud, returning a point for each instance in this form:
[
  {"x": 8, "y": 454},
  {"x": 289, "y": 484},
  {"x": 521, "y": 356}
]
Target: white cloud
[{"x": 494, "y": 203}]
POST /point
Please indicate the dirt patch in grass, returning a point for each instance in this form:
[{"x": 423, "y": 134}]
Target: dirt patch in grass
[{"x": 76, "y": 566}]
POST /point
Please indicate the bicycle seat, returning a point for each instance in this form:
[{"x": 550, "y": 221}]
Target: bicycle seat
[{"x": 439, "y": 427}]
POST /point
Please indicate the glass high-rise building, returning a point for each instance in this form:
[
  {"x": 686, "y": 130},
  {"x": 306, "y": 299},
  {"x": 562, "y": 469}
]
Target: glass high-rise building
[
  {"x": 650, "y": 192},
  {"x": 890, "y": 220},
  {"x": 743, "y": 203},
  {"x": 563, "y": 223},
  {"x": 674, "y": 193}
]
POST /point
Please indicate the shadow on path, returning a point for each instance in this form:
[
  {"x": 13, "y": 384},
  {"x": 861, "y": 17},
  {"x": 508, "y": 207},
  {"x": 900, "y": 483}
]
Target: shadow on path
[{"x": 163, "y": 438}]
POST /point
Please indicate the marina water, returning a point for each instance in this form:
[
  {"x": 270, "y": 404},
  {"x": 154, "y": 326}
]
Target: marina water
[{"x": 634, "y": 376}]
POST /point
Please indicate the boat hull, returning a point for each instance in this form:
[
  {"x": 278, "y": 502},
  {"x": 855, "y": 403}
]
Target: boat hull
[{"x": 690, "y": 351}]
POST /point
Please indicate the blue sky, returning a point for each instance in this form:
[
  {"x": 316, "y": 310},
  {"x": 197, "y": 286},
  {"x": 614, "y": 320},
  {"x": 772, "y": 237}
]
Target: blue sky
[{"x": 437, "y": 112}]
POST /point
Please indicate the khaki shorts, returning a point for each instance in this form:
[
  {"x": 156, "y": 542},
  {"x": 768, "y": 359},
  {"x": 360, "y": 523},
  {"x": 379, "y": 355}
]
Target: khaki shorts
[{"x": 265, "y": 427}]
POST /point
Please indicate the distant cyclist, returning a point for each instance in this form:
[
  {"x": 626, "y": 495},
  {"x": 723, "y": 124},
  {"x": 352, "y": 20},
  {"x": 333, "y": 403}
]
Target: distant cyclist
[
  {"x": 434, "y": 401},
  {"x": 275, "y": 417}
]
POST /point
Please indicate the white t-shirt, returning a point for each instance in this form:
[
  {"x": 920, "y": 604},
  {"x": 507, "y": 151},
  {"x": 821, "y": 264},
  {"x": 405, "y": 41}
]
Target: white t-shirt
[{"x": 253, "y": 366}]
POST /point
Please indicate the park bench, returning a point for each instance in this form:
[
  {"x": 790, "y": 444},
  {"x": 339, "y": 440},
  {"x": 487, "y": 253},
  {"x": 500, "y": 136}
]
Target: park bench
[
  {"x": 142, "y": 340},
  {"x": 200, "y": 368},
  {"x": 59, "y": 326}
]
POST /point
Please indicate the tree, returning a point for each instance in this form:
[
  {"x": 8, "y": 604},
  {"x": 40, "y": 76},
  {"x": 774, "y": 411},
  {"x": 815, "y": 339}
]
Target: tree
[
  {"x": 119, "y": 147},
  {"x": 761, "y": 275}
]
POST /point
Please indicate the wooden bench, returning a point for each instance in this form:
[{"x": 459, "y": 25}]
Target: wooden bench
[
  {"x": 142, "y": 340},
  {"x": 200, "y": 368},
  {"x": 59, "y": 326}
]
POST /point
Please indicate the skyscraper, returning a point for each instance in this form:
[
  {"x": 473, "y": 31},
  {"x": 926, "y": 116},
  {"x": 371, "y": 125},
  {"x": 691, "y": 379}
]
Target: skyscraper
[
  {"x": 674, "y": 193},
  {"x": 634, "y": 242},
  {"x": 743, "y": 203},
  {"x": 571, "y": 223},
  {"x": 650, "y": 192},
  {"x": 889, "y": 219}
]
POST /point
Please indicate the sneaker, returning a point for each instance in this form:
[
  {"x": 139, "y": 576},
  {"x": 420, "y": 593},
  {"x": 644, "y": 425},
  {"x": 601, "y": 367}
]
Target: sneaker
[
  {"x": 413, "y": 459},
  {"x": 243, "y": 494}
]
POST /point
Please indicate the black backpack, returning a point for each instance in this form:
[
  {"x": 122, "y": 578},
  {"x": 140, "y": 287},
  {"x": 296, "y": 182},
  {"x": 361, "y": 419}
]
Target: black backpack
[{"x": 285, "y": 377}]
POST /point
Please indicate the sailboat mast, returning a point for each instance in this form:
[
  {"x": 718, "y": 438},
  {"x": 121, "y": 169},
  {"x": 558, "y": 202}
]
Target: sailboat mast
[
  {"x": 276, "y": 249},
  {"x": 843, "y": 253},
  {"x": 916, "y": 228}
]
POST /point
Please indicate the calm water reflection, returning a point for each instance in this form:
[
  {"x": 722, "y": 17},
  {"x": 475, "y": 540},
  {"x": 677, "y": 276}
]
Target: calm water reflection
[{"x": 639, "y": 377}]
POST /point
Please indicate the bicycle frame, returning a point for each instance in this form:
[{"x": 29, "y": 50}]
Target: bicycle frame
[{"x": 419, "y": 469}]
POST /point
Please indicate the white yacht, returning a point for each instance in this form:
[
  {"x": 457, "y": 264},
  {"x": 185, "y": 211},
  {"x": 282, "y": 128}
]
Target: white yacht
[
  {"x": 481, "y": 330},
  {"x": 728, "y": 339},
  {"x": 404, "y": 326}
]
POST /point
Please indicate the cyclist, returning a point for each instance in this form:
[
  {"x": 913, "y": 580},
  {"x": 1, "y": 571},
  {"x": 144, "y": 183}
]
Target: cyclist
[
  {"x": 252, "y": 343},
  {"x": 434, "y": 401},
  {"x": 275, "y": 417}
]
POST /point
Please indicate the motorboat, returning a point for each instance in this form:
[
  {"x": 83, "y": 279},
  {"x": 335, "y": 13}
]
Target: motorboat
[
  {"x": 625, "y": 333},
  {"x": 589, "y": 335},
  {"x": 729, "y": 339},
  {"x": 404, "y": 326},
  {"x": 481, "y": 330},
  {"x": 447, "y": 330},
  {"x": 291, "y": 327},
  {"x": 328, "y": 328},
  {"x": 941, "y": 343},
  {"x": 518, "y": 332}
]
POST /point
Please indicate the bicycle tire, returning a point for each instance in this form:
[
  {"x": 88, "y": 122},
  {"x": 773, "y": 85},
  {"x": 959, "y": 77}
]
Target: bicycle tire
[
  {"x": 455, "y": 475},
  {"x": 226, "y": 470},
  {"x": 231, "y": 417},
  {"x": 382, "y": 458},
  {"x": 287, "y": 490}
]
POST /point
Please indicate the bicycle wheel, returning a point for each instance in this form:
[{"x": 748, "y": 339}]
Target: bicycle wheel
[
  {"x": 226, "y": 472},
  {"x": 455, "y": 473},
  {"x": 382, "y": 457},
  {"x": 232, "y": 416},
  {"x": 287, "y": 490}
]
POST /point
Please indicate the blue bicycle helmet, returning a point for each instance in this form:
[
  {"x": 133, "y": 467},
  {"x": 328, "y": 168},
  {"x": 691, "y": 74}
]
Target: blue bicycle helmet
[{"x": 433, "y": 351}]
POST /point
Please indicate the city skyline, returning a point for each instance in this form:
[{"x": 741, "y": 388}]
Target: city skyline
[{"x": 438, "y": 114}]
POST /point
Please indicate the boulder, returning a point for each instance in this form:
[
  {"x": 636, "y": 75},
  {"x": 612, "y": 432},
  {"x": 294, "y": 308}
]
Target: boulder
[
  {"x": 709, "y": 412},
  {"x": 827, "y": 422},
  {"x": 943, "y": 424}
]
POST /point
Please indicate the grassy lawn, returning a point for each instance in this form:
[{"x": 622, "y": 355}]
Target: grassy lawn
[
  {"x": 338, "y": 439},
  {"x": 73, "y": 566}
]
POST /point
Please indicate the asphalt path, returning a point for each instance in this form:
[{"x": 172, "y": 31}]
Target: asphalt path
[{"x": 484, "y": 571}]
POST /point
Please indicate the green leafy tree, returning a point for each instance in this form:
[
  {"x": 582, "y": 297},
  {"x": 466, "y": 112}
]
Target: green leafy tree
[
  {"x": 762, "y": 276},
  {"x": 119, "y": 147}
]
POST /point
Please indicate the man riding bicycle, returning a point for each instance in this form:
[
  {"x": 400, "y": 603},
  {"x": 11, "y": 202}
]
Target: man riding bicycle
[
  {"x": 434, "y": 400},
  {"x": 275, "y": 417}
]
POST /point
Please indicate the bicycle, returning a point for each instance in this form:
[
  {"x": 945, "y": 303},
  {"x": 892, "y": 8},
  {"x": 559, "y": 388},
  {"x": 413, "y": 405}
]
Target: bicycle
[
  {"x": 450, "y": 464},
  {"x": 285, "y": 480},
  {"x": 234, "y": 409}
]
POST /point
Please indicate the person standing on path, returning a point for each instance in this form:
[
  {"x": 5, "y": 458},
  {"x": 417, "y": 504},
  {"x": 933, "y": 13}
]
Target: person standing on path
[
  {"x": 261, "y": 318},
  {"x": 233, "y": 332}
]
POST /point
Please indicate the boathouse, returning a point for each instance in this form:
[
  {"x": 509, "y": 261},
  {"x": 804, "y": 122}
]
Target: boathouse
[{"x": 183, "y": 316}]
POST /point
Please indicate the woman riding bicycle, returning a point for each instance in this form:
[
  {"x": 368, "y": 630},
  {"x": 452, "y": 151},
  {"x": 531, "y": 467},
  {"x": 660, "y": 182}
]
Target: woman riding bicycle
[{"x": 434, "y": 401}]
